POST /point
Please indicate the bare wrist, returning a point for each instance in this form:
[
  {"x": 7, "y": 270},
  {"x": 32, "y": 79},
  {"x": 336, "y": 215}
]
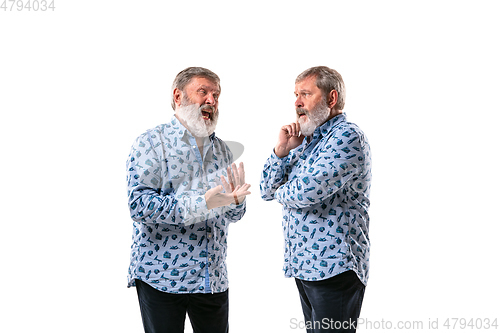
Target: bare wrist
[{"x": 280, "y": 152}]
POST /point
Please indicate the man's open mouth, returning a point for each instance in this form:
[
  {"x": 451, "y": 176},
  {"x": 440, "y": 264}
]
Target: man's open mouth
[
  {"x": 207, "y": 112},
  {"x": 206, "y": 115}
]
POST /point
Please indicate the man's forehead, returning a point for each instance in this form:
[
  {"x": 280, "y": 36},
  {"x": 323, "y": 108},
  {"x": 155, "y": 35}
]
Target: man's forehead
[
  {"x": 201, "y": 82},
  {"x": 307, "y": 84}
]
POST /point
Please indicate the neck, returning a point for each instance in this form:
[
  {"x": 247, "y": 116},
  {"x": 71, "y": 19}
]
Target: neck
[
  {"x": 199, "y": 141},
  {"x": 334, "y": 113}
]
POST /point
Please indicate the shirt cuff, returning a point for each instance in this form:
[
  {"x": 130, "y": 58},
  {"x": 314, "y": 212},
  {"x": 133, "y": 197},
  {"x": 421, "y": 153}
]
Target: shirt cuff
[{"x": 275, "y": 157}]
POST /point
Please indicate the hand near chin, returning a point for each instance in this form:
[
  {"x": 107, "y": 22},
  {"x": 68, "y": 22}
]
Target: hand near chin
[
  {"x": 235, "y": 189},
  {"x": 288, "y": 139}
]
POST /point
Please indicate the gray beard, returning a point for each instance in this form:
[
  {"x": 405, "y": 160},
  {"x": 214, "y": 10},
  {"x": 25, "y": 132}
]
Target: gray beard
[
  {"x": 316, "y": 117},
  {"x": 196, "y": 125}
]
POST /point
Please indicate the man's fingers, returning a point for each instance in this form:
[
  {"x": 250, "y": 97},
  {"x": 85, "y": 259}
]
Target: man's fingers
[
  {"x": 237, "y": 180},
  {"x": 225, "y": 184},
  {"x": 243, "y": 190},
  {"x": 230, "y": 178},
  {"x": 240, "y": 194},
  {"x": 245, "y": 187},
  {"x": 292, "y": 130},
  {"x": 288, "y": 130},
  {"x": 297, "y": 128},
  {"x": 241, "y": 171}
]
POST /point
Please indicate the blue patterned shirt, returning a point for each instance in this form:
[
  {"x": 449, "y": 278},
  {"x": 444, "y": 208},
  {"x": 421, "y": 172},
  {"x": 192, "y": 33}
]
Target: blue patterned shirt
[
  {"x": 179, "y": 245},
  {"x": 324, "y": 188}
]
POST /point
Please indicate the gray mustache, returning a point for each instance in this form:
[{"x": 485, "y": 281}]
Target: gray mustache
[
  {"x": 206, "y": 106},
  {"x": 301, "y": 111}
]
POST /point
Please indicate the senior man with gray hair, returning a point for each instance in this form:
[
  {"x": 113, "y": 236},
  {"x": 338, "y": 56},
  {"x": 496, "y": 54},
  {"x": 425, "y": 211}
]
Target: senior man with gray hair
[
  {"x": 181, "y": 205},
  {"x": 320, "y": 171}
]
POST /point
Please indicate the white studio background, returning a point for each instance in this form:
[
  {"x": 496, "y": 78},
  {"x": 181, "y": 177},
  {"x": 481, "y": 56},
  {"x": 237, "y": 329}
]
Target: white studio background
[{"x": 80, "y": 83}]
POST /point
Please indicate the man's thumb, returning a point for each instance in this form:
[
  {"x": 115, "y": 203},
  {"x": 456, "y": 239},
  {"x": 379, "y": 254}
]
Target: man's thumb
[{"x": 216, "y": 189}]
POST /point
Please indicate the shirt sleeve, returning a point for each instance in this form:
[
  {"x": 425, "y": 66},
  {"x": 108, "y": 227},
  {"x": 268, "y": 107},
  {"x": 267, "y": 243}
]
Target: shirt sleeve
[
  {"x": 148, "y": 203},
  {"x": 234, "y": 212},
  {"x": 327, "y": 171},
  {"x": 273, "y": 176}
]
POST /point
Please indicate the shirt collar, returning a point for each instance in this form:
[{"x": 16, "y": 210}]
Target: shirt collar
[{"x": 327, "y": 126}]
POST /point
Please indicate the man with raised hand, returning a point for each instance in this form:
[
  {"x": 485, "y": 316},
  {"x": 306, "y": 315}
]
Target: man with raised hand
[
  {"x": 181, "y": 205},
  {"x": 320, "y": 171}
]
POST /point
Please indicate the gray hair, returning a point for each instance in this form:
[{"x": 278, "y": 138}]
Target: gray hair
[
  {"x": 327, "y": 79},
  {"x": 184, "y": 77}
]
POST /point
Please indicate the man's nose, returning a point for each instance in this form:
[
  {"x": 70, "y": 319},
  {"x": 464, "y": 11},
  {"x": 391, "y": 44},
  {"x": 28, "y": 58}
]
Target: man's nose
[
  {"x": 299, "y": 103},
  {"x": 210, "y": 99}
]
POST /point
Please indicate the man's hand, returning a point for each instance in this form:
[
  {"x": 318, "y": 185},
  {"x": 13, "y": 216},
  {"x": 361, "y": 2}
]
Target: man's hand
[
  {"x": 236, "y": 189},
  {"x": 235, "y": 176},
  {"x": 288, "y": 139}
]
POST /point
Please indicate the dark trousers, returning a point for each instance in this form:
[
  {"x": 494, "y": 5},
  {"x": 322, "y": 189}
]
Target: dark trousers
[
  {"x": 331, "y": 305},
  {"x": 166, "y": 313}
]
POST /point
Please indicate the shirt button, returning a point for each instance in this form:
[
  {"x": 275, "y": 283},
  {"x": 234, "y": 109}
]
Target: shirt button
[
  {"x": 209, "y": 259},
  {"x": 194, "y": 147},
  {"x": 209, "y": 236}
]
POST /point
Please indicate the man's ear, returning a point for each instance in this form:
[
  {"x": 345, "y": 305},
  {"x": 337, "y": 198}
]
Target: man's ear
[
  {"x": 332, "y": 98},
  {"x": 177, "y": 96}
]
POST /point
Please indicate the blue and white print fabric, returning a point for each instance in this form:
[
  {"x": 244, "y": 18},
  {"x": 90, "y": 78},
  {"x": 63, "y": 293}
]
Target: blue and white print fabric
[
  {"x": 324, "y": 188},
  {"x": 179, "y": 245}
]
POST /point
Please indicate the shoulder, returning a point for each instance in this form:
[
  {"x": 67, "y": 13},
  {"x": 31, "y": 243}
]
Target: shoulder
[
  {"x": 152, "y": 136},
  {"x": 347, "y": 132},
  {"x": 161, "y": 129},
  {"x": 345, "y": 141}
]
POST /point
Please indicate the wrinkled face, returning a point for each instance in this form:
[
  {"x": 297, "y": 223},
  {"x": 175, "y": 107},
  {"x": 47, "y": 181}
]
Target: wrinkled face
[
  {"x": 310, "y": 105},
  {"x": 199, "y": 106},
  {"x": 202, "y": 91}
]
